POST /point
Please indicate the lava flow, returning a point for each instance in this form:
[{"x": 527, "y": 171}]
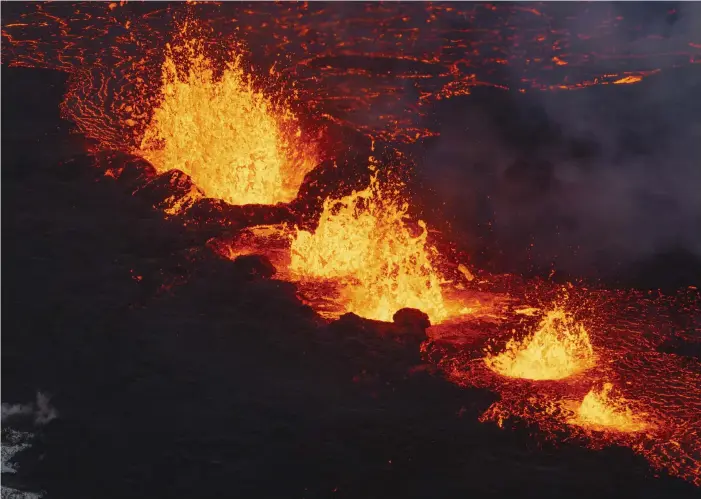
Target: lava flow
[{"x": 364, "y": 241}]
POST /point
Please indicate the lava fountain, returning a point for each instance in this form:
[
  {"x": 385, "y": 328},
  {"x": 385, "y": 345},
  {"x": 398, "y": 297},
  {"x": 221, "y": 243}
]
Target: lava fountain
[
  {"x": 558, "y": 348},
  {"x": 366, "y": 242},
  {"x": 236, "y": 143},
  {"x": 600, "y": 410}
]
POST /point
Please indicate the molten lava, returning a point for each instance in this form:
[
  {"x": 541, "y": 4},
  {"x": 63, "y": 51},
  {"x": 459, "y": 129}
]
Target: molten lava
[
  {"x": 236, "y": 143},
  {"x": 601, "y": 411},
  {"x": 559, "y": 348},
  {"x": 364, "y": 241}
]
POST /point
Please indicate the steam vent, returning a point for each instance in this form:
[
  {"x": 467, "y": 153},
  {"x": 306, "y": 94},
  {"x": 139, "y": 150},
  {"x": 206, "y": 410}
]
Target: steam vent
[{"x": 351, "y": 249}]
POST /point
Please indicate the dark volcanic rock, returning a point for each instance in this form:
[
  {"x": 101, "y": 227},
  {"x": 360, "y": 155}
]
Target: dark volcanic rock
[
  {"x": 210, "y": 212},
  {"x": 332, "y": 178},
  {"x": 349, "y": 171},
  {"x": 254, "y": 266},
  {"x": 136, "y": 172},
  {"x": 399, "y": 342},
  {"x": 131, "y": 172},
  {"x": 167, "y": 189},
  {"x": 683, "y": 347},
  {"x": 411, "y": 323},
  {"x": 75, "y": 167},
  {"x": 343, "y": 138}
]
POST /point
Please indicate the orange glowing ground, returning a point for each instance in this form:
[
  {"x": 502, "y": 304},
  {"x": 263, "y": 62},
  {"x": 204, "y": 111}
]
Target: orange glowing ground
[
  {"x": 364, "y": 241},
  {"x": 235, "y": 143},
  {"x": 600, "y": 410},
  {"x": 559, "y": 348}
]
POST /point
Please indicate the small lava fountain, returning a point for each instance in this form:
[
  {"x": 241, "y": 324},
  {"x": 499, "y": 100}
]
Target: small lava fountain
[
  {"x": 365, "y": 241},
  {"x": 559, "y": 348},
  {"x": 600, "y": 410}
]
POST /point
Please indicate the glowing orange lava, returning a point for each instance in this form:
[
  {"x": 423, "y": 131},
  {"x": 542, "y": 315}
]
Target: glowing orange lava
[
  {"x": 559, "y": 348},
  {"x": 628, "y": 80},
  {"x": 236, "y": 143},
  {"x": 600, "y": 410},
  {"x": 364, "y": 241}
]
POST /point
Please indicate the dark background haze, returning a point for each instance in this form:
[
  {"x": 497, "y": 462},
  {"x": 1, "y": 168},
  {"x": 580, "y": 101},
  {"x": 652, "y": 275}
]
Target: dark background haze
[{"x": 589, "y": 182}]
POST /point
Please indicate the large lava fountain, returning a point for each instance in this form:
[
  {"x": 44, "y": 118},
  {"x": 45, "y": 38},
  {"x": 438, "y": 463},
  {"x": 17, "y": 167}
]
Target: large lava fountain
[
  {"x": 236, "y": 143},
  {"x": 365, "y": 241}
]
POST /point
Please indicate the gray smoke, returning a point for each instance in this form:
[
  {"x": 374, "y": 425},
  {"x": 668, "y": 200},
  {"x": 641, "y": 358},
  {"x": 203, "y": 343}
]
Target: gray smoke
[
  {"x": 41, "y": 411},
  {"x": 603, "y": 176}
]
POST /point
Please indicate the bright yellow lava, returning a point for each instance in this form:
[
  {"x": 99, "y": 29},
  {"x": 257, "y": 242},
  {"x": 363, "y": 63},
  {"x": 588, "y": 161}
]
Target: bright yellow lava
[
  {"x": 236, "y": 143},
  {"x": 599, "y": 410},
  {"x": 364, "y": 241},
  {"x": 559, "y": 348},
  {"x": 628, "y": 79}
]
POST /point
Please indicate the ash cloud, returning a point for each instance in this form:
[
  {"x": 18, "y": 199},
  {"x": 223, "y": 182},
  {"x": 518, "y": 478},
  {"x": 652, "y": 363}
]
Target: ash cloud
[{"x": 590, "y": 180}]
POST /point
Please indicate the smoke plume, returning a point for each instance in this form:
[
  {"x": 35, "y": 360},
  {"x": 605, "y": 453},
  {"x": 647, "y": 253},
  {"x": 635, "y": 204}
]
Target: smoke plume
[{"x": 588, "y": 180}]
